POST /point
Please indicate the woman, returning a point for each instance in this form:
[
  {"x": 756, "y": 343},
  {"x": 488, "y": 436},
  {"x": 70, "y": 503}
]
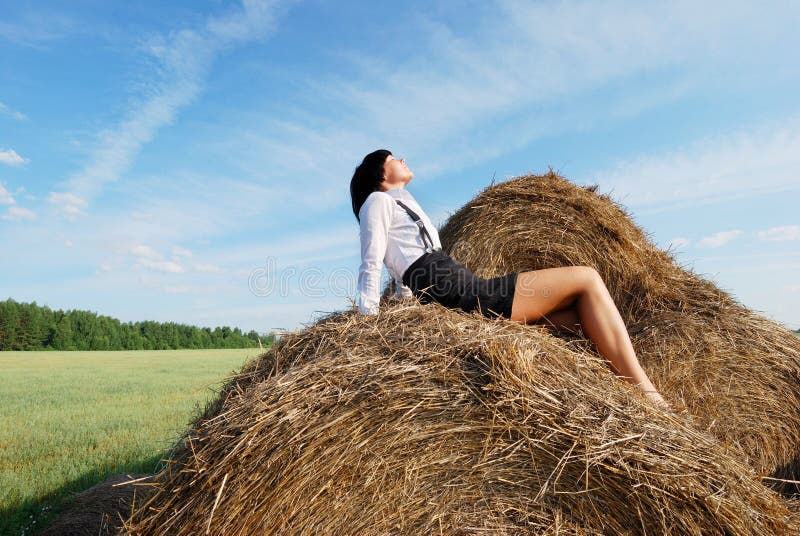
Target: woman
[{"x": 396, "y": 231}]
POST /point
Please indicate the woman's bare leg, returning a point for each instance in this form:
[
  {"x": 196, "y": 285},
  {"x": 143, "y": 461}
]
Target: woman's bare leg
[
  {"x": 556, "y": 291},
  {"x": 565, "y": 319}
]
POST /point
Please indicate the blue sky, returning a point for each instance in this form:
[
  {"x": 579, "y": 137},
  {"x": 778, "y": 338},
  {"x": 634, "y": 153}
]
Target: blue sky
[{"x": 190, "y": 161}]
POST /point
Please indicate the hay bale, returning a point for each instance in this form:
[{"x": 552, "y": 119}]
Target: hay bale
[
  {"x": 101, "y": 509},
  {"x": 426, "y": 420},
  {"x": 737, "y": 372}
]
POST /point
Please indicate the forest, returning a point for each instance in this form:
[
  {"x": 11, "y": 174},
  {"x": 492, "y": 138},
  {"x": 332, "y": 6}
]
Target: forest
[{"x": 28, "y": 326}]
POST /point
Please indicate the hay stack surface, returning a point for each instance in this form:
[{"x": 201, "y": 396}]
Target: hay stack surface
[
  {"x": 425, "y": 420},
  {"x": 737, "y": 372},
  {"x": 100, "y": 510}
]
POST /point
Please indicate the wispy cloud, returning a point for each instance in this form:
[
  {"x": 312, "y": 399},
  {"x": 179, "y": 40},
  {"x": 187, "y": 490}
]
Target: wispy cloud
[
  {"x": 145, "y": 256},
  {"x": 297, "y": 249},
  {"x": 138, "y": 256},
  {"x": 5, "y": 196},
  {"x": 761, "y": 160},
  {"x": 5, "y": 110},
  {"x": 764, "y": 267},
  {"x": 176, "y": 208},
  {"x": 18, "y": 213},
  {"x": 177, "y": 289},
  {"x": 35, "y": 28},
  {"x": 184, "y": 59},
  {"x": 780, "y": 234},
  {"x": 207, "y": 268},
  {"x": 11, "y": 158},
  {"x": 179, "y": 252},
  {"x": 733, "y": 259},
  {"x": 458, "y": 100},
  {"x": 718, "y": 239},
  {"x": 678, "y": 243},
  {"x": 143, "y": 252},
  {"x": 161, "y": 266},
  {"x": 69, "y": 205},
  {"x": 456, "y": 96}
]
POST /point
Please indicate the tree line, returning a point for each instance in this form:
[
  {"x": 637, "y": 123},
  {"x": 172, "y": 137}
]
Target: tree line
[{"x": 27, "y": 326}]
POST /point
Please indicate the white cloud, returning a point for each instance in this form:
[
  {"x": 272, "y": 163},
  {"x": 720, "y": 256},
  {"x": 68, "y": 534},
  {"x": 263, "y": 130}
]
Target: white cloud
[
  {"x": 207, "y": 268},
  {"x": 457, "y": 100},
  {"x": 764, "y": 268},
  {"x": 761, "y": 160},
  {"x": 11, "y": 158},
  {"x": 178, "y": 252},
  {"x": 69, "y": 205},
  {"x": 34, "y": 28},
  {"x": 734, "y": 259},
  {"x": 161, "y": 265},
  {"x": 792, "y": 288},
  {"x": 5, "y": 110},
  {"x": 718, "y": 239},
  {"x": 184, "y": 57},
  {"x": 71, "y": 212},
  {"x": 780, "y": 234},
  {"x": 188, "y": 208},
  {"x": 678, "y": 243},
  {"x": 145, "y": 256},
  {"x": 18, "y": 213},
  {"x": 143, "y": 252},
  {"x": 177, "y": 289},
  {"x": 538, "y": 82},
  {"x": 62, "y": 198},
  {"x": 5, "y": 196},
  {"x": 295, "y": 249}
]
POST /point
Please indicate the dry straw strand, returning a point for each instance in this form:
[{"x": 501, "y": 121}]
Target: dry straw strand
[{"x": 427, "y": 420}]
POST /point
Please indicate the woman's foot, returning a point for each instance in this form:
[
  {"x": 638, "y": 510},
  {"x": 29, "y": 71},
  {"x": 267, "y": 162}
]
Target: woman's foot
[{"x": 656, "y": 399}]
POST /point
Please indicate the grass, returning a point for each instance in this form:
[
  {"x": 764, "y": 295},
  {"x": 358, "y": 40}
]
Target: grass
[{"x": 69, "y": 420}]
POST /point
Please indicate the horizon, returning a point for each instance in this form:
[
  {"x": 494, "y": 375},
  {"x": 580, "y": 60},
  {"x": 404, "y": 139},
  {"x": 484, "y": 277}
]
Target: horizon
[{"x": 190, "y": 162}]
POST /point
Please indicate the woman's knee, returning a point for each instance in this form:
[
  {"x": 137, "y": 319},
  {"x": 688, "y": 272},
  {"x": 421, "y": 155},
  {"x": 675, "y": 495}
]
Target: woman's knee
[{"x": 589, "y": 276}]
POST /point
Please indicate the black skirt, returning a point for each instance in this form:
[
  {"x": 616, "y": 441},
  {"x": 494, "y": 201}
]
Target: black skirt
[{"x": 437, "y": 277}]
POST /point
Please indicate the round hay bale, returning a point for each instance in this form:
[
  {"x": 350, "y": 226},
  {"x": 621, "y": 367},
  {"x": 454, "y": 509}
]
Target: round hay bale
[
  {"x": 425, "y": 420},
  {"x": 737, "y": 372},
  {"x": 101, "y": 509}
]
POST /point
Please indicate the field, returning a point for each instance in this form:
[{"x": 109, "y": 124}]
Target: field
[
  {"x": 71, "y": 419},
  {"x": 68, "y": 420}
]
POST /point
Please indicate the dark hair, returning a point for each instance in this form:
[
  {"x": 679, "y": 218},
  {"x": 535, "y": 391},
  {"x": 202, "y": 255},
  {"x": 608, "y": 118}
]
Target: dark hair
[{"x": 367, "y": 178}]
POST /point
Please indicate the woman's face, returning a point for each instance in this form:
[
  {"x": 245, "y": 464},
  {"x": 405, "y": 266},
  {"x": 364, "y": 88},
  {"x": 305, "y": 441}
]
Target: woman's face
[{"x": 395, "y": 173}]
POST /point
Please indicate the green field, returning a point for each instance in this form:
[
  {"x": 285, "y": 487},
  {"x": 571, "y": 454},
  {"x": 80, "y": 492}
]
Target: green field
[{"x": 69, "y": 420}]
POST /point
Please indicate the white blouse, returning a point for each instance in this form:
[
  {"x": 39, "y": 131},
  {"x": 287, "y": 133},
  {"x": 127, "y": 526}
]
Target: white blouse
[{"x": 388, "y": 236}]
